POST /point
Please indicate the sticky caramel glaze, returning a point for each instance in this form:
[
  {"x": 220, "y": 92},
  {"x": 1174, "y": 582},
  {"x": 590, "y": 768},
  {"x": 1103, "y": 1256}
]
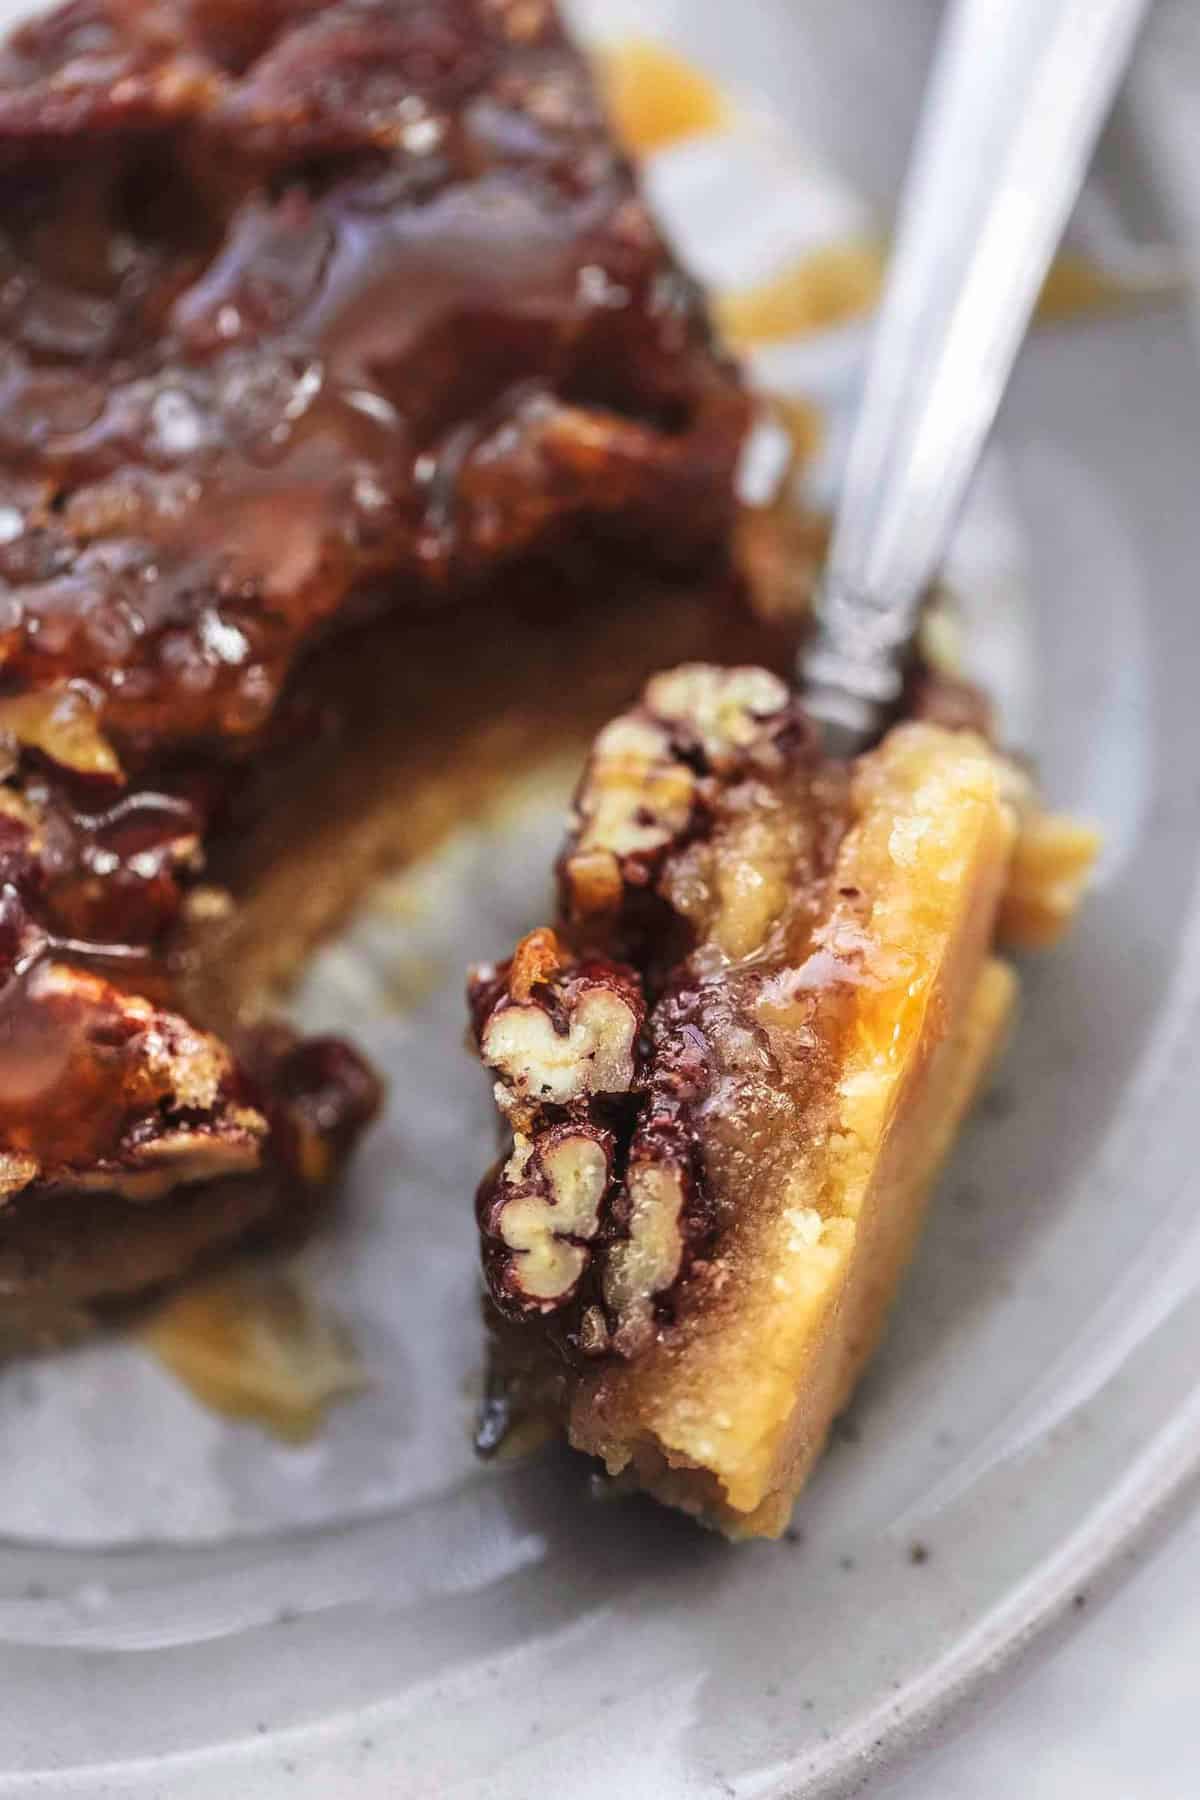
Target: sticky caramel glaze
[
  {"x": 308, "y": 313},
  {"x": 381, "y": 301},
  {"x": 656, "y": 96}
]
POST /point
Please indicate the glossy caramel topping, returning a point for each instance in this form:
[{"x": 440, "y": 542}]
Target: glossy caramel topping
[
  {"x": 304, "y": 309},
  {"x": 357, "y": 291},
  {"x": 100, "y": 1086}
]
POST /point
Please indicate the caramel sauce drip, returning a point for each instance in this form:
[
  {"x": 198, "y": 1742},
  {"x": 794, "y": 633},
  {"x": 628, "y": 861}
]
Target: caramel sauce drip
[
  {"x": 804, "y": 423},
  {"x": 656, "y": 97},
  {"x": 1077, "y": 288},
  {"x": 839, "y": 283},
  {"x": 257, "y": 1344},
  {"x": 828, "y": 287}
]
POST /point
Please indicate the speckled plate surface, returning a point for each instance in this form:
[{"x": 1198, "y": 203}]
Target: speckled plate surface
[{"x": 188, "y": 1610}]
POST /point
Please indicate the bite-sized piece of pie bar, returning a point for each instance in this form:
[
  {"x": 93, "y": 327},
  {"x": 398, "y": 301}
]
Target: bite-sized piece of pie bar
[
  {"x": 309, "y": 314},
  {"x": 728, "y": 1076}
]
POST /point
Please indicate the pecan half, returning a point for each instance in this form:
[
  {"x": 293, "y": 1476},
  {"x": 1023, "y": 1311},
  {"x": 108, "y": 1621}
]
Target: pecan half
[
  {"x": 729, "y": 714},
  {"x": 556, "y": 1031},
  {"x": 540, "y": 1214},
  {"x": 660, "y": 1217},
  {"x": 648, "y": 1261},
  {"x": 652, "y": 774}
]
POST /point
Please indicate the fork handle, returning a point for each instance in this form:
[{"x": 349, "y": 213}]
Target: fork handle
[{"x": 1019, "y": 91}]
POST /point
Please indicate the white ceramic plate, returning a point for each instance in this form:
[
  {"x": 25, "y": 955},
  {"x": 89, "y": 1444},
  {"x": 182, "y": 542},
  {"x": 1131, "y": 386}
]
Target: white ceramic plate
[{"x": 188, "y": 1611}]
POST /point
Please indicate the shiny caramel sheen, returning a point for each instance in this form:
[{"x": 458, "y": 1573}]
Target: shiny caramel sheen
[{"x": 309, "y": 314}]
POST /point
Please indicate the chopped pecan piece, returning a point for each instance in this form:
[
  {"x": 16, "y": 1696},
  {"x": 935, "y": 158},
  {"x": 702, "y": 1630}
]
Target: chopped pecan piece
[
  {"x": 648, "y": 1260},
  {"x": 101, "y": 1089},
  {"x": 653, "y": 775},
  {"x": 662, "y": 1216},
  {"x": 728, "y": 714},
  {"x": 556, "y": 1030},
  {"x": 61, "y": 722},
  {"x": 541, "y": 1212}
]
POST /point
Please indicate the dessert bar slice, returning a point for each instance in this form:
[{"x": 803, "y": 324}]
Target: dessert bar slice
[
  {"x": 310, "y": 314},
  {"x": 728, "y": 1075}
]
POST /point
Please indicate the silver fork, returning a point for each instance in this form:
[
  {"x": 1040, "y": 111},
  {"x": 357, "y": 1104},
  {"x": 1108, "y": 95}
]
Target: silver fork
[{"x": 1019, "y": 91}]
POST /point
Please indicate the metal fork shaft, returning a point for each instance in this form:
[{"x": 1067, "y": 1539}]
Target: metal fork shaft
[{"x": 1019, "y": 91}]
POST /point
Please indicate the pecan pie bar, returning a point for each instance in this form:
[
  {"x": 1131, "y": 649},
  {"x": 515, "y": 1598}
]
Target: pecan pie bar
[
  {"x": 312, "y": 317},
  {"x": 728, "y": 1074}
]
